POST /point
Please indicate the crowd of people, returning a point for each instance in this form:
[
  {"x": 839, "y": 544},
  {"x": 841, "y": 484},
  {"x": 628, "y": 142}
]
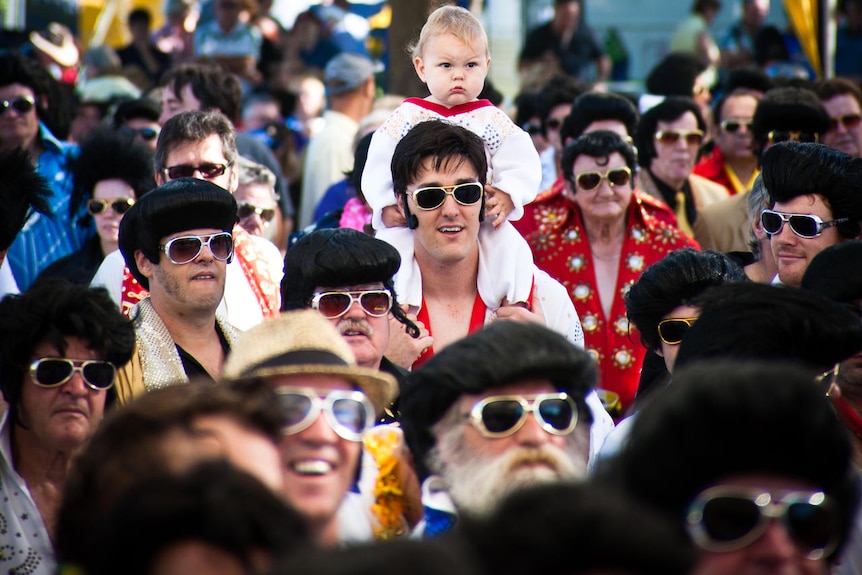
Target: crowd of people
[{"x": 259, "y": 319}]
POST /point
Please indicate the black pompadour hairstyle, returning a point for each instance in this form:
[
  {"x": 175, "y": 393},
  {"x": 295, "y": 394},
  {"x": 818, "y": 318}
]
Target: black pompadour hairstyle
[
  {"x": 21, "y": 189},
  {"x": 793, "y": 169},
  {"x": 673, "y": 281},
  {"x": 51, "y": 311},
  {"x": 595, "y": 106}
]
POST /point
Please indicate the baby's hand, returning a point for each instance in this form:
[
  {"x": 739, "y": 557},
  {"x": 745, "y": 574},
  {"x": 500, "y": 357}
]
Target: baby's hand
[
  {"x": 393, "y": 218},
  {"x": 498, "y": 205}
]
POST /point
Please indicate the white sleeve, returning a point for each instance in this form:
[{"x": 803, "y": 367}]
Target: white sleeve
[
  {"x": 110, "y": 276},
  {"x": 377, "y": 176},
  {"x": 517, "y": 170}
]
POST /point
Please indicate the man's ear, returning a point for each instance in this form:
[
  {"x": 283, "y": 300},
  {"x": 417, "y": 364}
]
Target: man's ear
[
  {"x": 160, "y": 177},
  {"x": 145, "y": 266}
]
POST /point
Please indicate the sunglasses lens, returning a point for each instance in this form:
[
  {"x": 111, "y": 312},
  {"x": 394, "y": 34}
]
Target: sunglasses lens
[
  {"x": 731, "y": 127},
  {"x": 211, "y": 170},
  {"x": 557, "y": 413},
  {"x": 148, "y": 134},
  {"x": 51, "y": 372},
  {"x": 618, "y": 177},
  {"x": 21, "y": 105},
  {"x": 771, "y": 222},
  {"x": 295, "y": 409},
  {"x": 553, "y": 123},
  {"x": 805, "y": 226},
  {"x": 669, "y": 137},
  {"x": 693, "y": 139},
  {"x": 812, "y": 526},
  {"x": 430, "y": 198},
  {"x": 184, "y": 250},
  {"x": 589, "y": 180},
  {"x": 244, "y": 211},
  {"x": 332, "y": 305},
  {"x": 100, "y": 374},
  {"x": 502, "y": 415},
  {"x": 96, "y": 207},
  {"x": 267, "y": 214},
  {"x": 375, "y": 303},
  {"x": 671, "y": 332},
  {"x": 351, "y": 414},
  {"x": 468, "y": 194},
  {"x": 221, "y": 246},
  {"x": 851, "y": 121},
  {"x": 808, "y": 137},
  {"x": 121, "y": 206},
  {"x": 175, "y": 172},
  {"x": 726, "y": 519}
]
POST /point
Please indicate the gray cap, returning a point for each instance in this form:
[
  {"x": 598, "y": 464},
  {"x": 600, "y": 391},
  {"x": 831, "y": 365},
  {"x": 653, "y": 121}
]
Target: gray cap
[{"x": 347, "y": 72}]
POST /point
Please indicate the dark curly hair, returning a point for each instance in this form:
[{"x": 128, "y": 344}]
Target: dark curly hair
[
  {"x": 107, "y": 154},
  {"x": 673, "y": 281},
  {"x": 51, "y": 311}
]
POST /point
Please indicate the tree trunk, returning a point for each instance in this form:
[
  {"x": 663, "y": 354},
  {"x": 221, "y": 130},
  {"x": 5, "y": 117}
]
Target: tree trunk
[{"x": 408, "y": 16}]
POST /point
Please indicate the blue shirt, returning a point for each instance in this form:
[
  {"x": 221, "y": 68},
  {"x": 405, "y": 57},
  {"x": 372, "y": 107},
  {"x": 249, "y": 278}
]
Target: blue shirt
[{"x": 45, "y": 239}]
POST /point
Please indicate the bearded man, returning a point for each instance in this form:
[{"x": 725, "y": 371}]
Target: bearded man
[{"x": 501, "y": 410}]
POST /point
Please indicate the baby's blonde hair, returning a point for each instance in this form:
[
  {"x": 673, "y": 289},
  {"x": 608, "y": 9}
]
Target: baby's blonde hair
[{"x": 450, "y": 20}]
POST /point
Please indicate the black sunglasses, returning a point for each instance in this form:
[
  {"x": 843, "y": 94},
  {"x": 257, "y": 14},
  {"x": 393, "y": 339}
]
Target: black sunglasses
[
  {"x": 733, "y": 126},
  {"x": 726, "y": 518},
  {"x": 208, "y": 171},
  {"x": 55, "y": 371},
  {"x": 148, "y": 134},
  {"x": 119, "y": 205},
  {"x": 672, "y": 330},
  {"x": 803, "y": 225},
  {"x": 433, "y": 197},
  {"x": 21, "y": 104}
]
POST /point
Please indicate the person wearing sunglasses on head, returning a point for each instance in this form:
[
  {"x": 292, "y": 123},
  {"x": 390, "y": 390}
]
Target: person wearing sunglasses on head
[
  {"x": 842, "y": 99},
  {"x": 727, "y": 454},
  {"x": 201, "y": 145},
  {"x": 177, "y": 242},
  {"x": 500, "y": 410},
  {"x": 601, "y": 225},
  {"x": 668, "y": 141},
  {"x": 782, "y": 114},
  {"x": 328, "y": 403},
  {"x": 26, "y": 112},
  {"x": 815, "y": 203},
  {"x": 61, "y": 345},
  {"x": 112, "y": 170}
]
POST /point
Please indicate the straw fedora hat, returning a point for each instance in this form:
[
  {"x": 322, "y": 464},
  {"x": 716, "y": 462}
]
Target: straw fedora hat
[
  {"x": 58, "y": 43},
  {"x": 302, "y": 342}
]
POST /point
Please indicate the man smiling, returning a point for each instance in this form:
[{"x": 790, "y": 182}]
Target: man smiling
[{"x": 815, "y": 203}]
